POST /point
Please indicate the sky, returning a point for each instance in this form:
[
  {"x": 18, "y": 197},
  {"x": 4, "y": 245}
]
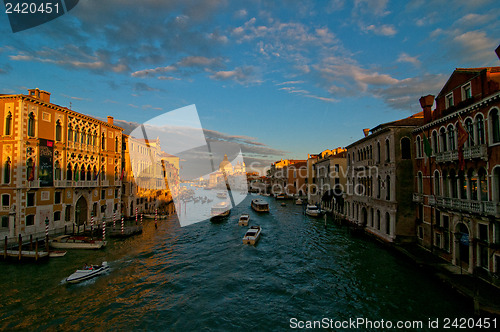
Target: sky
[{"x": 280, "y": 78}]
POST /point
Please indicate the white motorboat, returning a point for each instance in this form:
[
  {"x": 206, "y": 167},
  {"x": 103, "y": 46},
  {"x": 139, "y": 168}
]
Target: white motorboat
[
  {"x": 243, "y": 221},
  {"x": 260, "y": 205},
  {"x": 252, "y": 235},
  {"x": 220, "y": 210},
  {"x": 280, "y": 196},
  {"x": 57, "y": 253},
  {"x": 87, "y": 272},
  {"x": 299, "y": 201},
  {"x": 313, "y": 210},
  {"x": 76, "y": 242}
]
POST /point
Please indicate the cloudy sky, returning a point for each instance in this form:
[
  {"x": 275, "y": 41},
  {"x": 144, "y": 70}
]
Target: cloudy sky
[{"x": 282, "y": 78}]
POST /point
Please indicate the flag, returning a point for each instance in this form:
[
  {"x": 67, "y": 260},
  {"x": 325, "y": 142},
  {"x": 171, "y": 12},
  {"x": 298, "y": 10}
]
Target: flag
[
  {"x": 97, "y": 176},
  {"x": 123, "y": 174},
  {"x": 427, "y": 146},
  {"x": 463, "y": 136}
]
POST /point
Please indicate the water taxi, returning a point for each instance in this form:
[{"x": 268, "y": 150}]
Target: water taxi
[
  {"x": 313, "y": 210},
  {"x": 252, "y": 235},
  {"x": 87, "y": 272},
  {"x": 243, "y": 221},
  {"x": 220, "y": 210},
  {"x": 260, "y": 205}
]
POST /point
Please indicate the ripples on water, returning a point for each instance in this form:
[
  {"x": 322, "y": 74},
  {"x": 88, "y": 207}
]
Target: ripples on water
[{"x": 202, "y": 277}]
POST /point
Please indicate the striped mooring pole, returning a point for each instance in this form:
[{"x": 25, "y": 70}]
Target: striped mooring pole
[
  {"x": 142, "y": 214},
  {"x": 136, "y": 215},
  {"x": 46, "y": 234},
  {"x": 114, "y": 219},
  {"x": 122, "y": 224},
  {"x": 103, "y": 229},
  {"x": 91, "y": 223},
  {"x": 156, "y": 218}
]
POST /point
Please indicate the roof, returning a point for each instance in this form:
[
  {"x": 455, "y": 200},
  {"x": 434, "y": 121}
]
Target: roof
[
  {"x": 414, "y": 120},
  {"x": 472, "y": 73}
]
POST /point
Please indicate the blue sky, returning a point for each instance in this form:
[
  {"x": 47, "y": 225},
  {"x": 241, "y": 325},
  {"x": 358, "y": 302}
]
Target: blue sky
[{"x": 283, "y": 78}]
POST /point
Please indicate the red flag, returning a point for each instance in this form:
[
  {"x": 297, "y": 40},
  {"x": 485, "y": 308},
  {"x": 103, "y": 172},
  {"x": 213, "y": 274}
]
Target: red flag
[
  {"x": 123, "y": 174},
  {"x": 463, "y": 136},
  {"x": 31, "y": 177}
]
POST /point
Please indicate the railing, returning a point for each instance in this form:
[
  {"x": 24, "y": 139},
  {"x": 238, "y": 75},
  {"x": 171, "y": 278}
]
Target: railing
[
  {"x": 5, "y": 208},
  {"x": 71, "y": 183},
  {"x": 418, "y": 198},
  {"x": 34, "y": 184},
  {"x": 432, "y": 200},
  {"x": 470, "y": 152},
  {"x": 105, "y": 183},
  {"x": 487, "y": 208}
]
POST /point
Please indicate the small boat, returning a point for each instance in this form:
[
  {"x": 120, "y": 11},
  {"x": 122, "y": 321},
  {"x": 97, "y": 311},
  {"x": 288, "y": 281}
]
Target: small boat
[
  {"x": 76, "y": 242},
  {"x": 222, "y": 194},
  {"x": 313, "y": 211},
  {"x": 281, "y": 196},
  {"x": 252, "y": 235},
  {"x": 56, "y": 253},
  {"x": 299, "y": 201},
  {"x": 260, "y": 205},
  {"x": 283, "y": 204},
  {"x": 87, "y": 272},
  {"x": 243, "y": 221},
  {"x": 220, "y": 210}
]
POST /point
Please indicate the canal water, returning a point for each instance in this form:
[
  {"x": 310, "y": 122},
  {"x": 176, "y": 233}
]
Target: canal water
[{"x": 203, "y": 277}]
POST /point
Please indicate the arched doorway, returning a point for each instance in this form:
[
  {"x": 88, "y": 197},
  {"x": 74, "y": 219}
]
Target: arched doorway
[
  {"x": 81, "y": 211},
  {"x": 462, "y": 247}
]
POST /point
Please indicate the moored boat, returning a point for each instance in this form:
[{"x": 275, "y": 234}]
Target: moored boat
[
  {"x": 76, "y": 242},
  {"x": 313, "y": 210},
  {"x": 87, "y": 272},
  {"x": 243, "y": 221},
  {"x": 220, "y": 210},
  {"x": 57, "y": 253},
  {"x": 299, "y": 201},
  {"x": 222, "y": 194},
  {"x": 280, "y": 196},
  {"x": 260, "y": 205},
  {"x": 252, "y": 235}
]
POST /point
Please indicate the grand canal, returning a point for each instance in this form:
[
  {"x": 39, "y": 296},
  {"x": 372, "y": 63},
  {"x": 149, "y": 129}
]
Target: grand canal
[{"x": 202, "y": 277}]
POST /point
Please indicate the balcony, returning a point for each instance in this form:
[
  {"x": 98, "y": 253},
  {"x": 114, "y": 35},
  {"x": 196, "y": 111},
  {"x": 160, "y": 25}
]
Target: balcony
[
  {"x": 432, "y": 200},
  {"x": 105, "y": 183},
  {"x": 76, "y": 184},
  {"x": 34, "y": 184},
  {"x": 477, "y": 207},
  {"x": 470, "y": 152},
  {"x": 418, "y": 198}
]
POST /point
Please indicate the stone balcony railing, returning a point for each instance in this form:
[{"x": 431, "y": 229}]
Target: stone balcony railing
[
  {"x": 34, "y": 184},
  {"x": 470, "y": 152},
  {"x": 477, "y": 207},
  {"x": 71, "y": 183},
  {"x": 418, "y": 198}
]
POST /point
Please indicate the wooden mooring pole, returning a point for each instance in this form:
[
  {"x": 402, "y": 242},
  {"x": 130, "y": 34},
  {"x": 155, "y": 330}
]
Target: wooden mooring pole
[
  {"x": 5, "y": 248},
  {"x": 20, "y": 246}
]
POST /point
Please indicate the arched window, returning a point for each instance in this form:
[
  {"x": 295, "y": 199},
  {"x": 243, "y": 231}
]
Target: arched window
[
  {"x": 76, "y": 173},
  {"x": 57, "y": 171},
  {"x": 473, "y": 184},
  {"x": 58, "y": 131},
  {"x": 462, "y": 180},
  {"x": 445, "y": 184},
  {"x": 451, "y": 138},
  {"x": 453, "y": 184},
  {"x": 70, "y": 133},
  {"x": 496, "y": 184},
  {"x": 89, "y": 173},
  {"x": 388, "y": 188},
  {"x": 437, "y": 187},
  {"x": 377, "y": 224},
  {"x": 95, "y": 174},
  {"x": 30, "y": 171},
  {"x": 103, "y": 141},
  {"x": 8, "y": 124},
  {"x": 82, "y": 138},
  {"x": 495, "y": 126},
  {"x": 82, "y": 173},
  {"x": 116, "y": 144},
  {"x": 420, "y": 183},
  {"x": 387, "y": 223},
  {"x": 89, "y": 138},
  {"x": 103, "y": 173},
  {"x": 406, "y": 148},
  {"x": 69, "y": 172},
  {"x": 378, "y": 152},
  {"x": 116, "y": 174},
  {"x": 387, "y": 151},
  {"x": 379, "y": 186},
  {"x": 370, "y": 153},
  {"x": 418, "y": 145},
  {"x": 6, "y": 170},
  {"x": 77, "y": 134},
  {"x": 434, "y": 142},
  {"x": 31, "y": 125},
  {"x": 469, "y": 126},
  {"x": 480, "y": 129},
  {"x": 442, "y": 139},
  {"x": 483, "y": 184}
]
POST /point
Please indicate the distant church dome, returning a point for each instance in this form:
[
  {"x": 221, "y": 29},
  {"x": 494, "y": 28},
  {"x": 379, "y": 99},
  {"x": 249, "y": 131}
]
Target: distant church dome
[{"x": 225, "y": 164}]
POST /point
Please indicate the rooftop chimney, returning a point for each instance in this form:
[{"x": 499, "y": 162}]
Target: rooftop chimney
[
  {"x": 426, "y": 104},
  {"x": 110, "y": 120},
  {"x": 366, "y": 131}
]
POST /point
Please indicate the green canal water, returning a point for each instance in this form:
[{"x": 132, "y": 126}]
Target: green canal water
[{"x": 201, "y": 277}]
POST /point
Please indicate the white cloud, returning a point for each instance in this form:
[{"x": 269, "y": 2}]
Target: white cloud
[{"x": 403, "y": 57}]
